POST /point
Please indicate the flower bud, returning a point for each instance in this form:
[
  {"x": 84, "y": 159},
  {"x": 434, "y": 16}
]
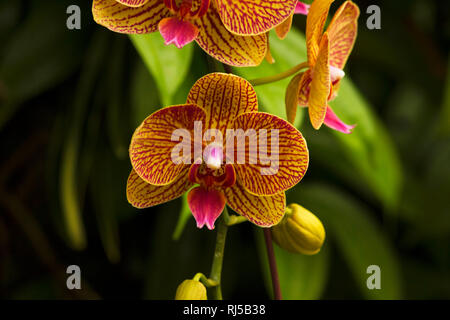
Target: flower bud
[
  {"x": 191, "y": 290},
  {"x": 299, "y": 231}
]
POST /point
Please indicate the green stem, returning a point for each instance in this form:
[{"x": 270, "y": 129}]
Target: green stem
[
  {"x": 203, "y": 279},
  {"x": 216, "y": 269},
  {"x": 279, "y": 76},
  {"x": 231, "y": 220},
  {"x": 272, "y": 264}
]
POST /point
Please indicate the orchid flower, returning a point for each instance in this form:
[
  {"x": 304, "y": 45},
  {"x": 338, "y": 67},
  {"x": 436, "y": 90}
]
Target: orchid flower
[
  {"x": 327, "y": 54},
  {"x": 223, "y": 104},
  {"x": 231, "y": 31}
]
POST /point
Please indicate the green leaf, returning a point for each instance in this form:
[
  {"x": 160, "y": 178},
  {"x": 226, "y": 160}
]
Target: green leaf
[
  {"x": 351, "y": 227},
  {"x": 185, "y": 214},
  {"x": 69, "y": 192},
  {"x": 287, "y": 53},
  {"x": 168, "y": 64},
  {"x": 117, "y": 108},
  {"x": 106, "y": 203},
  {"x": 445, "y": 116},
  {"x": 368, "y": 149},
  {"x": 143, "y": 101},
  {"x": 40, "y": 48},
  {"x": 301, "y": 277}
]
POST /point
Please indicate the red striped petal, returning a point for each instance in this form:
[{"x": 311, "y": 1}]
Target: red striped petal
[
  {"x": 143, "y": 195},
  {"x": 320, "y": 85},
  {"x": 342, "y": 33},
  {"x": 151, "y": 145},
  {"x": 131, "y": 20},
  {"x": 264, "y": 211},
  {"x": 245, "y": 17},
  {"x": 315, "y": 22},
  {"x": 223, "y": 97},
  {"x": 226, "y": 47},
  {"x": 133, "y": 3},
  {"x": 275, "y": 154}
]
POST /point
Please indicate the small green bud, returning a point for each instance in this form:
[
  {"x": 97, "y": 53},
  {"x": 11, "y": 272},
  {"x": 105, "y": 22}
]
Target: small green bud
[
  {"x": 191, "y": 290},
  {"x": 299, "y": 231}
]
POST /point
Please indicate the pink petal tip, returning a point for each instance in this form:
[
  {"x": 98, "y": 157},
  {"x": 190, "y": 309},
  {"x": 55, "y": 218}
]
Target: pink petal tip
[
  {"x": 301, "y": 8},
  {"x": 333, "y": 122}
]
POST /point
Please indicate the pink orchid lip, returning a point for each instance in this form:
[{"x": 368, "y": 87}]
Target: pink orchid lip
[
  {"x": 206, "y": 205},
  {"x": 177, "y": 31},
  {"x": 301, "y": 8},
  {"x": 332, "y": 121}
]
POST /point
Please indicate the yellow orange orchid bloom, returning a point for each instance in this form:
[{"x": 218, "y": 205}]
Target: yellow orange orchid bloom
[
  {"x": 224, "y": 104},
  {"x": 327, "y": 54},
  {"x": 231, "y": 31}
]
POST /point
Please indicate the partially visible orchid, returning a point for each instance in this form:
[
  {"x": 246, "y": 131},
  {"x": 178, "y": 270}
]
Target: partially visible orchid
[
  {"x": 231, "y": 31},
  {"x": 327, "y": 54},
  {"x": 223, "y": 103}
]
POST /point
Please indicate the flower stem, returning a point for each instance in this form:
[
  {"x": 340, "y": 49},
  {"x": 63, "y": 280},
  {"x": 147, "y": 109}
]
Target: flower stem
[
  {"x": 272, "y": 264},
  {"x": 280, "y": 76},
  {"x": 203, "y": 279},
  {"x": 216, "y": 269}
]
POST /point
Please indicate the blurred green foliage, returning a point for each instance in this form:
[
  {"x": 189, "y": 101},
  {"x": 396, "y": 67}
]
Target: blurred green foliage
[{"x": 71, "y": 99}]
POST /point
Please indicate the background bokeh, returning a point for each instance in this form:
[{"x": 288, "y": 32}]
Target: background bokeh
[{"x": 70, "y": 100}]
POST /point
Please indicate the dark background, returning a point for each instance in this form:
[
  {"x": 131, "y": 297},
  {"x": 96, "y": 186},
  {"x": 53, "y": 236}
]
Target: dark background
[{"x": 70, "y": 100}]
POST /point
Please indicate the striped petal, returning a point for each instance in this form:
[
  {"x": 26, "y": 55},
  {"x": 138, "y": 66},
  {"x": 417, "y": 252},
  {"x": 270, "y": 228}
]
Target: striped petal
[
  {"x": 250, "y": 17},
  {"x": 123, "y": 18},
  {"x": 223, "y": 97},
  {"x": 332, "y": 121},
  {"x": 151, "y": 145},
  {"x": 291, "y": 99},
  {"x": 206, "y": 205},
  {"x": 342, "y": 33},
  {"x": 315, "y": 22},
  {"x": 141, "y": 194},
  {"x": 264, "y": 211},
  {"x": 275, "y": 153},
  {"x": 133, "y": 3},
  {"x": 218, "y": 42},
  {"x": 283, "y": 29},
  {"x": 304, "y": 88},
  {"x": 320, "y": 85}
]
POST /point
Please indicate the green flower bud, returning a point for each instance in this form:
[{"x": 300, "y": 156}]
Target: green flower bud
[
  {"x": 191, "y": 290},
  {"x": 299, "y": 231}
]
